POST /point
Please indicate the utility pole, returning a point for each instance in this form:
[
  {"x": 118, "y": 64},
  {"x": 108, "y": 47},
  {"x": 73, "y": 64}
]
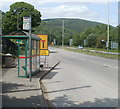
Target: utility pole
[
  {"x": 50, "y": 36},
  {"x": 62, "y": 33},
  {"x": 108, "y": 28}
]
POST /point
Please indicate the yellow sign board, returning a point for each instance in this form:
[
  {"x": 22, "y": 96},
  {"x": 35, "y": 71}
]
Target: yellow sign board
[
  {"x": 43, "y": 42},
  {"x": 44, "y": 52}
]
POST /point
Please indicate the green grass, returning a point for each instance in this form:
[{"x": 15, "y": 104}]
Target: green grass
[
  {"x": 111, "y": 56},
  {"x": 101, "y": 49},
  {"x": 98, "y": 49}
]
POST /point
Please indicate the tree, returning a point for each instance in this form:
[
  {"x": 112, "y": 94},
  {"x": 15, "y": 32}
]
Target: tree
[
  {"x": 83, "y": 37},
  {"x": 0, "y": 22},
  {"x": 118, "y": 28},
  {"x": 66, "y": 40},
  {"x": 75, "y": 39},
  {"x": 101, "y": 41},
  {"x": 0, "y": 18},
  {"x": 91, "y": 40},
  {"x": 17, "y": 11}
]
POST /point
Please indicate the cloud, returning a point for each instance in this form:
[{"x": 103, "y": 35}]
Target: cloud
[
  {"x": 5, "y": 4},
  {"x": 71, "y": 11},
  {"x": 80, "y": 11},
  {"x": 68, "y": 1},
  {"x": 67, "y": 11},
  {"x": 64, "y": 8}
]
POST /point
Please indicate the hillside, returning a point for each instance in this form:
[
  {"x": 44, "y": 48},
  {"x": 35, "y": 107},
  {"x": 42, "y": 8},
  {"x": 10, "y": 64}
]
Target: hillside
[
  {"x": 73, "y": 24},
  {"x": 70, "y": 25},
  {"x": 53, "y": 28}
]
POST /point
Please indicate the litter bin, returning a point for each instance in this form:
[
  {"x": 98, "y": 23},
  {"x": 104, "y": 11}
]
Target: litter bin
[{"x": 8, "y": 61}]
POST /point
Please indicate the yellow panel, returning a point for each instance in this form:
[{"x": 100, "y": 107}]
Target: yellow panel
[
  {"x": 43, "y": 42},
  {"x": 44, "y": 52},
  {"x": 33, "y": 52}
]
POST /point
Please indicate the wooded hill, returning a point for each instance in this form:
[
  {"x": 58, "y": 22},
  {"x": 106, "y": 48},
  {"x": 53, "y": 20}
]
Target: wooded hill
[
  {"x": 78, "y": 30},
  {"x": 53, "y": 27},
  {"x": 70, "y": 25}
]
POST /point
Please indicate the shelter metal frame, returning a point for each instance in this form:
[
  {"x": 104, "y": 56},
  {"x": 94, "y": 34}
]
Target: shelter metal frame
[{"x": 23, "y": 40}]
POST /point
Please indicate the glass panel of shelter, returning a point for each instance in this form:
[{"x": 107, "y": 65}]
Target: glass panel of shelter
[
  {"x": 22, "y": 57},
  {"x": 35, "y": 56},
  {"x": 38, "y": 54}
]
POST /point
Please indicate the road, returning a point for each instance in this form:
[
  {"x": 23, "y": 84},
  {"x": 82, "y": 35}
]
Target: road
[{"x": 81, "y": 80}]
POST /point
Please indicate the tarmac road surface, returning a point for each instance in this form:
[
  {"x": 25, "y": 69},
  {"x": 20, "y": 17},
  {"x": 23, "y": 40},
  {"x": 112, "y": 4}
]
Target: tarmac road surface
[{"x": 81, "y": 80}]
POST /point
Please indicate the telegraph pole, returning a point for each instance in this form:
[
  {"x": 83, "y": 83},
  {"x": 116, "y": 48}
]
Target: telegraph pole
[
  {"x": 50, "y": 36},
  {"x": 62, "y": 33},
  {"x": 108, "y": 30}
]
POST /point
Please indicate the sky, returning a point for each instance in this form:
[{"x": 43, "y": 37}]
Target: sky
[{"x": 93, "y": 10}]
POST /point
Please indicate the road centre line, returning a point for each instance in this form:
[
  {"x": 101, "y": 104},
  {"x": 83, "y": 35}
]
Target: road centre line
[
  {"x": 110, "y": 66},
  {"x": 97, "y": 62},
  {"x": 104, "y": 64}
]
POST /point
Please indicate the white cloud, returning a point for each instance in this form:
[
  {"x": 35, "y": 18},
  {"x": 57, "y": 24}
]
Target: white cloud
[
  {"x": 71, "y": 11},
  {"x": 67, "y": 11},
  {"x": 63, "y": 1},
  {"x": 75, "y": 11},
  {"x": 5, "y": 4},
  {"x": 63, "y": 9}
]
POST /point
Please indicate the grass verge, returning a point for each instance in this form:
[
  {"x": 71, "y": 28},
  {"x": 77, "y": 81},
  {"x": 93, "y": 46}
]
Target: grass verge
[
  {"x": 111, "y": 56},
  {"x": 100, "y": 49}
]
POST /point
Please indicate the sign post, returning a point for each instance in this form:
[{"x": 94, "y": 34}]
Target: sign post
[
  {"x": 44, "y": 47},
  {"x": 44, "y": 52},
  {"x": 27, "y": 26},
  {"x": 27, "y": 23}
]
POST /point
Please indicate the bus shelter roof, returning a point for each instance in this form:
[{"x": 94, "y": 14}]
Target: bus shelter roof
[{"x": 20, "y": 35}]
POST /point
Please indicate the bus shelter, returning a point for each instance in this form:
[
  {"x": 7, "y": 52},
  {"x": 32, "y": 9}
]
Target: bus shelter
[{"x": 21, "y": 39}]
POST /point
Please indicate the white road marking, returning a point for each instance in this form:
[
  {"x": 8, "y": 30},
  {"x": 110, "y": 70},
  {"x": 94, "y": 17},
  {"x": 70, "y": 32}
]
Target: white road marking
[
  {"x": 94, "y": 61},
  {"x": 110, "y": 66},
  {"x": 106, "y": 65}
]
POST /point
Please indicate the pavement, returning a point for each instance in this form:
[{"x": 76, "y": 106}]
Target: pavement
[
  {"x": 19, "y": 91},
  {"x": 81, "y": 80}
]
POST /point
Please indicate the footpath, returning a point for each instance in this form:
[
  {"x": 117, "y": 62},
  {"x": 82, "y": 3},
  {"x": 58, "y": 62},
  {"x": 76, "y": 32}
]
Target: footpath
[{"x": 20, "y": 92}]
